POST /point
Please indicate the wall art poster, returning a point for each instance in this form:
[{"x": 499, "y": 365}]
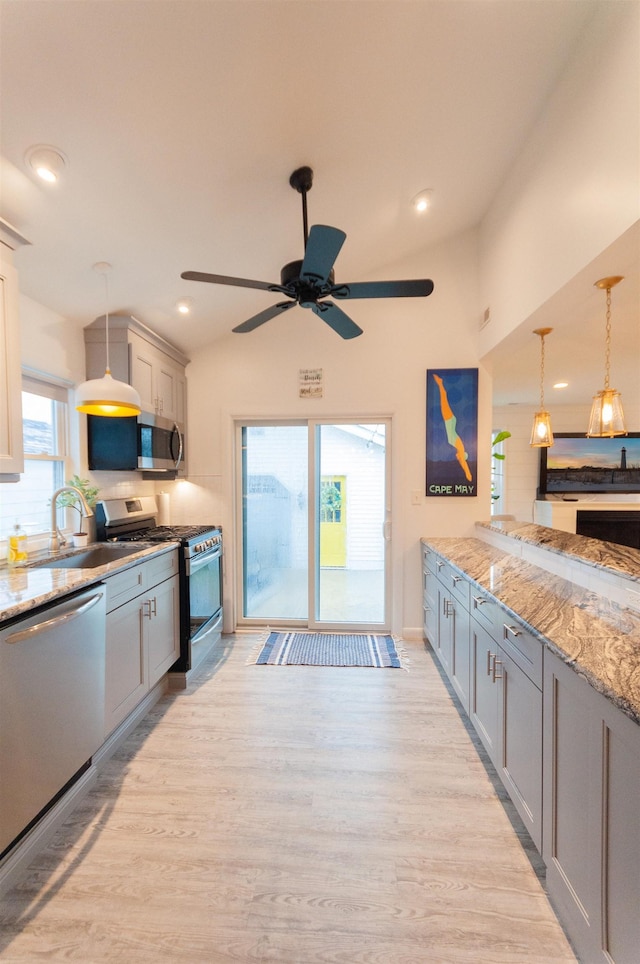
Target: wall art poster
[{"x": 452, "y": 431}]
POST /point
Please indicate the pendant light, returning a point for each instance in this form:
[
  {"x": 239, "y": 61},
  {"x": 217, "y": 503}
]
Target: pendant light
[
  {"x": 607, "y": 417},
  {"x": 541, "y": 434},
  {"x": 106, "y": 395}
]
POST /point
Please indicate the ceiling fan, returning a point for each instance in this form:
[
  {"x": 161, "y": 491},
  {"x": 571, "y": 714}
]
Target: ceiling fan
[{"x": 308, "y": 281}]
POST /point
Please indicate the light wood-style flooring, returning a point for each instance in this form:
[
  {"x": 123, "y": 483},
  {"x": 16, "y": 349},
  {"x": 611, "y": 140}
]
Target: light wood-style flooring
[{"x": 293, "y": 815}]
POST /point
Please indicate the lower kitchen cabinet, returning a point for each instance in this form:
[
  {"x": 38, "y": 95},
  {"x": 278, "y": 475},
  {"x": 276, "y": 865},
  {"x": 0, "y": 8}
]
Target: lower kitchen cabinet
[
  {"x": 506, "y": 712},
  {"x": 143, "y": 633},
  {"x": 446, "y": 620},
  {"x": 592, "y": 816},
  {"x": 495, "y": 668}
]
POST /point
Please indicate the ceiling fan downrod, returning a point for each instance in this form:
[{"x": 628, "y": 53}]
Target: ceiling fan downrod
[{"x": 302, "y": 180}]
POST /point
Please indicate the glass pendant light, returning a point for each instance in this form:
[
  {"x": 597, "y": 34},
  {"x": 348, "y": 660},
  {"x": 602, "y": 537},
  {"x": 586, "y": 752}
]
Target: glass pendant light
[
  {"x": 106, "y": 395},
  {"x": 607, "y": 417},
  {"x": 541, "y": 434}
]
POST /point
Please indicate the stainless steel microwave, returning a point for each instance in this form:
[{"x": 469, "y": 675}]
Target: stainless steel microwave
[{"x": 145, "y": 442}]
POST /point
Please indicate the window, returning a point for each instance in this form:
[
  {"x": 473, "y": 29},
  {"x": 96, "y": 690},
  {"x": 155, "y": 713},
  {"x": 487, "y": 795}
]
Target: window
[{"x": 44, "y": 426}]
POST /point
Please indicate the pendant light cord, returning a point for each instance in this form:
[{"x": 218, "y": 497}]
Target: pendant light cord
[
  {"x": 106, "y": 318},
  {"x": 542, "y": 372},
  {"x": 607, "y": 349}
]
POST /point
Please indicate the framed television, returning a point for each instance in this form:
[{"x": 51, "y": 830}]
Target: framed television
[{"x": 576, "y": 465}]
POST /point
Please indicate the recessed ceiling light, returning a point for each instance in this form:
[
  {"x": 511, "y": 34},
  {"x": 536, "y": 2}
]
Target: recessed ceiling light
[
  {"x": 561, "y": 385},
  {"x": 48, "y": 162},
  {"x": 185, "y": 305},
  {"x": 422, "y": 201}
]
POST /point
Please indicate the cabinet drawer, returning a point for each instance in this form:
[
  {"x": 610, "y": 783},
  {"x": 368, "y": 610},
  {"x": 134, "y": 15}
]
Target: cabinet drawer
[
  {"x": 525, "y": 650},
  {"x": 429, "y": 559},
  {"x": 487, "y": 612},
  {"x": 456, "y": 585},
  {"x": 161, "y": 567},
  {"x": 123, "y": 586}
]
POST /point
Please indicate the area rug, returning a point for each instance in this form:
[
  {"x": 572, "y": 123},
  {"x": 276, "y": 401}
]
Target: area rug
[{"x": 329, "y": 649}]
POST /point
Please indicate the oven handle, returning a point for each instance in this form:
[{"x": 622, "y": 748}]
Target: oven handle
[
  {"x": 176, "y": 431},
  {"x": 193, "y": 563}
]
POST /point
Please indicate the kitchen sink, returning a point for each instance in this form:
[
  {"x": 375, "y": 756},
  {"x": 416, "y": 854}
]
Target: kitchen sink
[{"x": 90, "y": 558}]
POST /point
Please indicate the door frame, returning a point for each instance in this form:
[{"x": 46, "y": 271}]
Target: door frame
[{"x": 313, "y": 543}]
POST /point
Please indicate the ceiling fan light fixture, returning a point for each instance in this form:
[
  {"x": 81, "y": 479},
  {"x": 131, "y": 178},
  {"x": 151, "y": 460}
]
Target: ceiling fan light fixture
[
  {"x": 107, "y": 396},
  {"x": 47, "y": 162},
  {"x": 607, "y": 416},
  {"x": 422, "y": 201},
  {"x": 184, "y": 306}
]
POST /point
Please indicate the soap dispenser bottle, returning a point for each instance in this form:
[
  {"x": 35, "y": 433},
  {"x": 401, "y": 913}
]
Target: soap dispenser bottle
[{"x": 17, "y": 547}]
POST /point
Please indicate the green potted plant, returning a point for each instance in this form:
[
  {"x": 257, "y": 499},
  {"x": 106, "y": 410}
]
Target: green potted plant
[{"x": 71, "y": 501}]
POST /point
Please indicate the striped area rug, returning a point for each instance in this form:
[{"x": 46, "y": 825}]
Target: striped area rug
[{"x": 329, "y": 649}]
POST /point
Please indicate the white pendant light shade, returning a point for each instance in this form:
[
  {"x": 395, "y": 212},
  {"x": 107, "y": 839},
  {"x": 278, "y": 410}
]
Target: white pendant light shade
[
  {"x": 607, "y": 417},
  {"x": 107, "y": 396}
]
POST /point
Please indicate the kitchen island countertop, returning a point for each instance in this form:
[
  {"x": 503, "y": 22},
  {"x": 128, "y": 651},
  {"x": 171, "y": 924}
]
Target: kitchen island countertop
[
  {"x": 22, "y": 588},
  {"x": 598, "y": 638}
]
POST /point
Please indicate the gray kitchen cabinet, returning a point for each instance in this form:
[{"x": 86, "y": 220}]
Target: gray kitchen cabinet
[
  {"x": 429, "y": 596},
  {"x": 11, "y": 446},
  {"x": 483, "y": 704},
  {"x": 495, "y": 668},
  {"x": 506, "y": 711},
  {"x": 143, "y": 638},
  {"x": 454, "y": 624},
  {"x": 158, "y": 378},
  {"x": 138, "y": 356},
  {"x": 591, "y": 843},
  {"x": 450, "y": 640}
]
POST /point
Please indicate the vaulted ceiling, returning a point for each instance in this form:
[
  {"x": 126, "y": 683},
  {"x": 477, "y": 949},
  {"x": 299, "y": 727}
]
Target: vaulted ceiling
[{"x": 181, "y": 122}]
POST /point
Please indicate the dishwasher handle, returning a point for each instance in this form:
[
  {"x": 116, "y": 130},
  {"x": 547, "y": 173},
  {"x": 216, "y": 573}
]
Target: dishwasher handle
[{"x": 54, "y": 621}]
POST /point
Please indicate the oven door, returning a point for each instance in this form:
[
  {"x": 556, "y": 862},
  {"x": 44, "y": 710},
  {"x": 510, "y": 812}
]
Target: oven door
[{"x": 204, "y": 592}]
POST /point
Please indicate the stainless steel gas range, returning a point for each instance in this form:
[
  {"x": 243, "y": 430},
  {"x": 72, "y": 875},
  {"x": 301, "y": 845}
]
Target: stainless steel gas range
[{"x": 134, "y": 520}]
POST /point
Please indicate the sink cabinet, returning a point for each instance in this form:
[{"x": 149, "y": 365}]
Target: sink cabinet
[{"x": 143, "y": 636}]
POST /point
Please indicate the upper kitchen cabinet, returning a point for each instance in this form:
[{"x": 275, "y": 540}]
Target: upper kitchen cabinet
[
  {"x": 11, "y": 449},
  {"x": 154, "y": 367}
]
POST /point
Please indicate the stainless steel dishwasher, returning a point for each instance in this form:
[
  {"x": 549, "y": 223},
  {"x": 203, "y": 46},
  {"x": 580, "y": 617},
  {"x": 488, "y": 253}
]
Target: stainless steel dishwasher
[{"x": 52, "y": 671}]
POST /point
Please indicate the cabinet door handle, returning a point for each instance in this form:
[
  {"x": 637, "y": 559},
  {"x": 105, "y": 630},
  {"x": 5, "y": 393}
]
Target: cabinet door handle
[
  {"x": 457, "y": 579},
  {"x": 479, "y": 601},
  {"x": 447, "y": 607},
  {"x": 147, "y": 606},
  {"x": 154, "y": 606},
  {"x": 511, "y": 629},
  {"x": 490, "y": 656},
  {"x": 439, "y": 564},
  {"x": 495, "y": 676}
]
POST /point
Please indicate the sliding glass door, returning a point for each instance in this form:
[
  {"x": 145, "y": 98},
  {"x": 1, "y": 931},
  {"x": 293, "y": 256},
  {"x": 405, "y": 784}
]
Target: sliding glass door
[{"x": 314, "y": 519}]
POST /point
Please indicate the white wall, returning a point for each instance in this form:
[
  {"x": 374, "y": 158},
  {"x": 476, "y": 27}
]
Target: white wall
[
  {"x": 383, "y": 372},
  {"x": 576, "y": 185}
]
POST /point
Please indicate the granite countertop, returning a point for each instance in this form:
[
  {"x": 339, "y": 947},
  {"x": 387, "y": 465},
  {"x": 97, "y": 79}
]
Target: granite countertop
[
  {"x": 598, "y": 638},
  {"x": 24, "y": 587},
  {"x": 621, "y": 560}
]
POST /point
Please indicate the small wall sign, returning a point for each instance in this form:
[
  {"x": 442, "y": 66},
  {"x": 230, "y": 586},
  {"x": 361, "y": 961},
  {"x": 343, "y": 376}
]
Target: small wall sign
[
  {"x": 310, "y": 382},
  {"x": 452, "y": 432}
]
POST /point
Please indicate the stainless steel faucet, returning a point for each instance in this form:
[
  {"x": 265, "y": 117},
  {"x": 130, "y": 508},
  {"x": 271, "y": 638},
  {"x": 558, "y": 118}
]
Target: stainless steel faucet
[{"x": 56, "y": 539}]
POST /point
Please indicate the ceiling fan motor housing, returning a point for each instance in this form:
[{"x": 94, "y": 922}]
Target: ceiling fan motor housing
[{"x": 290, "y": 278}]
